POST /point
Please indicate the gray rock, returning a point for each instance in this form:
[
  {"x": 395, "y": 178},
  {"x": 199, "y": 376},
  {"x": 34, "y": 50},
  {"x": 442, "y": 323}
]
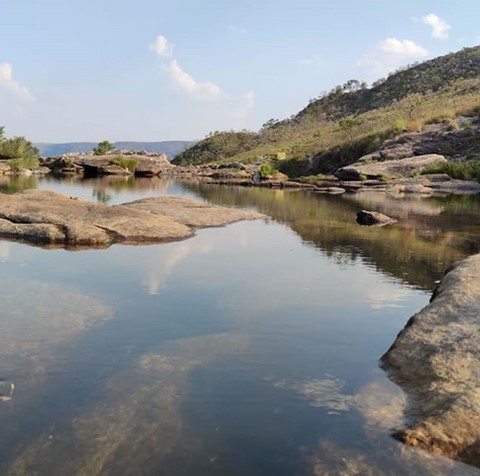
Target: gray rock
[
  {"x": 44, "y": 217},
  {"x": 369, "y": 218},
  {"x": 389, "y": 168},
  {"x": 417, "y": 189},
  {"x": 436, "y": 361},
  {"x": 145, "y": 165}
]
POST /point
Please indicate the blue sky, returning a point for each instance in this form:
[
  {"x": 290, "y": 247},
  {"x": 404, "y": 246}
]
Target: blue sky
[{"x": 158, "y": 70}]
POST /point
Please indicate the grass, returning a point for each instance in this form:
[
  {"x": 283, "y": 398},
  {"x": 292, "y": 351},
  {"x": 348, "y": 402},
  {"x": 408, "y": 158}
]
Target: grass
[
  {"x": 462, "y": 169},
  {"x": 124, "y": 162},
  {"x": 298, "y": 141},
  {"x": 21, "y": 164}
]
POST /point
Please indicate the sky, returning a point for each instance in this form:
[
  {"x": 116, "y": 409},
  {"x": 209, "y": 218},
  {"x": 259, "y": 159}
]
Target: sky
[{"x": 153, "y": 70}]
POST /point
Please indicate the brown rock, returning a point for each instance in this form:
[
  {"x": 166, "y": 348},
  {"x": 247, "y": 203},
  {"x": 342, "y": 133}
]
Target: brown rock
[
  {"x": 436, "y": 361},
  {"x": 38, "y": 216}
]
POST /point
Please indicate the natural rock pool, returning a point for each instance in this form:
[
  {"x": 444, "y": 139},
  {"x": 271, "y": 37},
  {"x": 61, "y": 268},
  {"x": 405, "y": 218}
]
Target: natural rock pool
[{"x": 250, "y": 349}]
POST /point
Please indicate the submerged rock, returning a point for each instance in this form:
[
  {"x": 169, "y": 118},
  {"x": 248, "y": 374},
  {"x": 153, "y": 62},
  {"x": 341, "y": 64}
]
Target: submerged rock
[
  {"x": 436, "y": 361},
  {"x": 43, "y": 217},
  {"x": 368, "y": 218}
]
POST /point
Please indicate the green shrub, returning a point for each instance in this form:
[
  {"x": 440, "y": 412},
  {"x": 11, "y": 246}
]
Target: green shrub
[
  {"x": 103, "y": 148},
  {"x": 17, "y": 148},
  {"x": 124, "y": 162},
  {"x": 399, "y": 126},
  {"x": 267, "y": 170},
  {"x": 462, "y": 169},
  {"x": 23, "y": 163}
]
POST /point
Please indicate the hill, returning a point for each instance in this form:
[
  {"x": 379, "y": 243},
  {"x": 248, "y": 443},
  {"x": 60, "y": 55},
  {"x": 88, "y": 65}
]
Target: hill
[
  {"x": 170, "y": 148},
  {"x": 352, "y": 119}
]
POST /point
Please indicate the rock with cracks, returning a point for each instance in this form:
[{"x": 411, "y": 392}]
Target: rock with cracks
[
  {"x": 436, "y": 361},
  {"x": 43, "y": 217}
]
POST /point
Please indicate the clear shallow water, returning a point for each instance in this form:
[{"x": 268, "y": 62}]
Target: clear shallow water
[{"x": 247, "y": 350}]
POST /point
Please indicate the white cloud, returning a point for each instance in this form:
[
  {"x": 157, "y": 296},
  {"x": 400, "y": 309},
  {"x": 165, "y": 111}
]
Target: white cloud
[
  {"x": 240, "y": 114},
  {"x": 187, "y": 84},
  {"x": 310, "y": 61},
  {"x": 7, "y": 82},
  {"x": 440, "y": 28},
  {"x": 236, "y": 30},
  {"x": 161, "y": 46},
  {"x": 390, "y": 53}
]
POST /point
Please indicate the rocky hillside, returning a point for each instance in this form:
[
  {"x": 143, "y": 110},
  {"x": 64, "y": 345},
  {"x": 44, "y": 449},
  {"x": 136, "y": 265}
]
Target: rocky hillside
[{"x": 352, "y": 120}]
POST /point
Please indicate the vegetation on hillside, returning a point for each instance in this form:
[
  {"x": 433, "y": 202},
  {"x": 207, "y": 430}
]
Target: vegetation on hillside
[{"x": 338, "y": 127}]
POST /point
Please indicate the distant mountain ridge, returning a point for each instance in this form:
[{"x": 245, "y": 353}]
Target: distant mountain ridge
[{"x": 171, "y": 147}]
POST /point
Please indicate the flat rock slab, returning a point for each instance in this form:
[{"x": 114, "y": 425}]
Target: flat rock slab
[
  {"x": 44, "y": 217},
  {"x": 436, "y": 361},
  {"x": 389, "y": 168}
]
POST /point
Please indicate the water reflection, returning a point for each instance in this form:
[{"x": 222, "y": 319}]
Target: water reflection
[
  {"x": 250, "y": 349},
  {"x": 432, "y": 232}
]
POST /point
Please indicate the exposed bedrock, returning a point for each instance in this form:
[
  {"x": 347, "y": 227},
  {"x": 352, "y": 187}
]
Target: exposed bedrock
[
  {"x": 43, "y": 217},
  {"x": 436, "y": 361}
]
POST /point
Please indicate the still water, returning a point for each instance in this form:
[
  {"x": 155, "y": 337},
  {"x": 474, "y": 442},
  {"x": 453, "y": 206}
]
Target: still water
[{"x": 250, "y": 349}]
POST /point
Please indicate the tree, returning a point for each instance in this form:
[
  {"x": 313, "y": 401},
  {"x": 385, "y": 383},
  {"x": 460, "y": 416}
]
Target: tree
[
  {"x": 17, "y": 148},
  {"x": 103, "y": 148},
  {"x": 348, "y": 124}
]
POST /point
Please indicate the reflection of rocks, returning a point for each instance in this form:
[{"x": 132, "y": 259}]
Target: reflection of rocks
[
  {"x": 370, "y": 218},
  {"x": 137, "y": 428},
  {"x": 50, "y": 218},
  {"x": 381, "y": 404},
  {"x": 435, "y": 359}
]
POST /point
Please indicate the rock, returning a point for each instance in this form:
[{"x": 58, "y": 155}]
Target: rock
[
  {"x": 43, "y": 217},
  {"x": 102, "y": 164},
  {"x": 365, "y": 217},
  {"x": 331, "y": 190},
  {"x": 436, "y": 361},
  {"x": 454, "y": 186},
  {"x": 418, "y": 189},
  {"x": 389, "y": 168}
]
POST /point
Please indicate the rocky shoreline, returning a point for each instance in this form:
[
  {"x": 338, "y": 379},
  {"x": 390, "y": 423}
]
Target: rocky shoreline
[
  {"x": 47, "y": 218},
  {"x": 436, "y": 361}
]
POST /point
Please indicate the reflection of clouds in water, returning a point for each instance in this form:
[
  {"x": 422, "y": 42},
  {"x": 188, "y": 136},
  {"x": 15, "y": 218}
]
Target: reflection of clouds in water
[
  {"x": 383, "y": 297},
  {"x": 137, "y": 426},
  {"x": 177, "y": 253},
  {"x": 323, "y": 393},
  {"x": 381, "y": 403},
  {"x": 4, "y": 251},
  {"x": 157, "y": 280}
]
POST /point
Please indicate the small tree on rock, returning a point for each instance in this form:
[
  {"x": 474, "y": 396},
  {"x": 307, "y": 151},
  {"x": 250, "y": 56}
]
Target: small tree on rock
[{"x": 103, "y": 148}]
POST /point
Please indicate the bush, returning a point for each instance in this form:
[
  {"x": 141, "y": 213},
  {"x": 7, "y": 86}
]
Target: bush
[
  {"x": 124, "y": 162},
  {"x": 103, "y": 148},
  {"x": 23, "y": 163},
  {"x": 267, "y": 170},
  {"x": 462, "y": 169},
  {"x": 399, "y": 126},
  {"x": 17, "y": 148}
]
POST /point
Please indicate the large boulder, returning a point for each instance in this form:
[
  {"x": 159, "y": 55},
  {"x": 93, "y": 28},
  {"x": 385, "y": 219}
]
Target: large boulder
[
  {"x": 112, "y": 164},
  {"x": 436, "y": 361},
  {"x": 43, "y": 217},
  {"x": 389, "y": 168}
]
